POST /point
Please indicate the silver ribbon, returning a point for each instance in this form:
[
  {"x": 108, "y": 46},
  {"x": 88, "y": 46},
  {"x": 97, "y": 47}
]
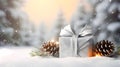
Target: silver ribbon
[
  {"x": 67, "y": 32},
  {"x": 74, "y": 44}
]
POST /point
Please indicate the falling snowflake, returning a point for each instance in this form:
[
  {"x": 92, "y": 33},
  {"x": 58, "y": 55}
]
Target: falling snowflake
[
  {"x": 113, "y": 12},
  {"x": 16, "y": 31},
  {"x": 110, "y": 0}
]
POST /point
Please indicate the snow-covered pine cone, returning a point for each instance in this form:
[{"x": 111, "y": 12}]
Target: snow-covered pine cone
[
  {"x": 51, "y": 49},
  {"x": 104, "y": 48}
]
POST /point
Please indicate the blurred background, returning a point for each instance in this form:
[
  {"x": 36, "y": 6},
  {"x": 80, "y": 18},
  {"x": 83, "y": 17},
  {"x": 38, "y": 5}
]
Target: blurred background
[
  {"x": 47, "y": 10},
  {"x": 32, "y": 22}
]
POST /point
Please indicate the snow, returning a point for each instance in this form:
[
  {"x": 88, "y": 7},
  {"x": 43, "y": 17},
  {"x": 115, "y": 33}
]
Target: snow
[
  {"x": 2, "y": 13},
  {"x": 78, "y": 20},
  {"x": 19, "y": 57},
  {"x": 113, "y": 7},
  {"x": 113, "y": 26}
]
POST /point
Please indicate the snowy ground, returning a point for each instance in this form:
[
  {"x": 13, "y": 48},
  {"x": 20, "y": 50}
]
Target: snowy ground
[{"x": 19, "y": 57}]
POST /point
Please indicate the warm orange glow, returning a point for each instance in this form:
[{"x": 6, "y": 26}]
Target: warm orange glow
[
  {"x": 57, "y": 42},
  {"x": 52, "y": 40},
  {"x": 47, "y": 10},
  {"x": 97, "y": 55}
]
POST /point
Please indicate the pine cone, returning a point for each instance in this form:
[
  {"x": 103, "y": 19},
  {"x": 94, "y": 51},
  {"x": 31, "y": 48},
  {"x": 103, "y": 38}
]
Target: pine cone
[
  {"x": 104, "y": 48},
  {"x": 51, "y": 49}
]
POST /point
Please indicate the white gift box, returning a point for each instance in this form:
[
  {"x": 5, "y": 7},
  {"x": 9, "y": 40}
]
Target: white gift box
[{"x": 72, "y": 45}]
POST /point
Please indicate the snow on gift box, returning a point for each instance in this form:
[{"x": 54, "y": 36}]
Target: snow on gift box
[{"x": 72, "y": 45}]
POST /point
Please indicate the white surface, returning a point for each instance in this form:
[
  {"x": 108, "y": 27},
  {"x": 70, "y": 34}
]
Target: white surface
[{"x": 19, "y": 57}]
